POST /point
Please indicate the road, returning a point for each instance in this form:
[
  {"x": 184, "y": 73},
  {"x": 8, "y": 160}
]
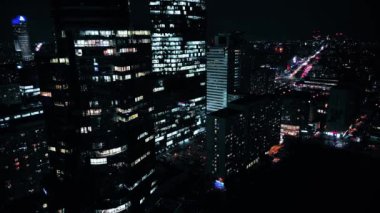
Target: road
[{"x": 306, "y": 64}]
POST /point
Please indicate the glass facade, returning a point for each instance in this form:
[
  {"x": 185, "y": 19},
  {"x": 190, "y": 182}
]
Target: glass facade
[
  {"x": 179, "y": 65},
  {"x": 97, "y": 95},
  {"x": 217, "y": 79},
  {"x": 22, "y": 39}
]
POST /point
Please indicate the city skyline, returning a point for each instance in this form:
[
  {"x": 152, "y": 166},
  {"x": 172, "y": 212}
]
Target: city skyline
[{"x": 152, "y": 106}]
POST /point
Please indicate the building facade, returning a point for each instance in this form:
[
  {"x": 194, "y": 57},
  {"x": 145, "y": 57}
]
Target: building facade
[
  {"x": 22, "y": 39},
  {"x": 343, "y": 108},
  {"x": 179, "y": 66},
  {"x": 24, "y": 159},
  {"x": 295, "y": 115},
  {"x": 239, "y": 136},
  {"x": 217, "y": 79},
  {"x": 97, "y": 92}
]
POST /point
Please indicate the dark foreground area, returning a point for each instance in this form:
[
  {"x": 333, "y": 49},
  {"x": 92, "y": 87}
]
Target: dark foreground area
[{"x": 312, "y": 178}]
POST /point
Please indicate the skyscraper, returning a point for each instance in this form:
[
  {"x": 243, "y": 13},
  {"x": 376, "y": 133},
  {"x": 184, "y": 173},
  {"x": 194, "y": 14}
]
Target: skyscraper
[
  {"x": 217, "y": 78},
  {"x": 226, "y": 66},
  {"x": 179, "y": 63},
  {"x": 21, "y": 39},
  {"x": 97, "y": 94}
]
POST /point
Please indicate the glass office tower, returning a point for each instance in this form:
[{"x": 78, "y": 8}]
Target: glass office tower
[
  {"x": 179, "y": 63},
  {"x": 22, "y": 39},
  {"x": 97, "y": 94},
  {"x": 217, "y": 78}
]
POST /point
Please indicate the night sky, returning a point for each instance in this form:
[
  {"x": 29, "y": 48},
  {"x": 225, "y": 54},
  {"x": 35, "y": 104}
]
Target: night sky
[{"x": 269, "y": 19}]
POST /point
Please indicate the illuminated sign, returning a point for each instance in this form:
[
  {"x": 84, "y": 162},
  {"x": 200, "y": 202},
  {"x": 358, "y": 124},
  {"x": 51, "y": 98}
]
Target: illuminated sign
[
  {"x": 18, "y": 20},
  {"x": 219, "y": 184}
]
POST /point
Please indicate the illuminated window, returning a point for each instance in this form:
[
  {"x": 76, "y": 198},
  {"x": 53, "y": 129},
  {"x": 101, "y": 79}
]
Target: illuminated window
[
  {"x": 122, "y": 69},
  {"x": 98, "y": 161},
  {"x": 106, "y": 33},
  {"x": 94, "y": 43},
  {"x": 141, "y": 74},
  {"x": 158, "y": 89},
  {"x": 127, "y": 33},
  {"x": 85, "y": 130},
  {"x": 153, "y": 190},
  {"x": 128, "y": 50},
  {"x": 60, "y": 61},
  {"x": 169, "y": 143},
  {"x": 93, "y": 112},
  {"x": 52, "y": 148},
  {"x": 93, "y": 103},
  {"x": 123, "y": 111},
  {"x": 149, "y": 139},
  {"x": 109, "y": 52},
  {"x": 138, "y": 160},
  {"x": 111, "y": 152},
  {"x": 46, "y": 94},
  {"x": 61, "y": 86},
  {"x": 142, "y": 135},
  {"x": 132, "y": 117},
  {"x": 138, "y": 99},
  {"x": 65, "y": 151}
]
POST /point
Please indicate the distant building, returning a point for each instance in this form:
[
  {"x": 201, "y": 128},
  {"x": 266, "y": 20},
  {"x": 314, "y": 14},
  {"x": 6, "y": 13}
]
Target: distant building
[
  {"x": 8, "y": 54},
  {"x": 316, "y": 85},
  {"x": 23, "y": 151},
  {"x": 23, "y": 143},
  {"x": 229, "y": 67},
  {"x": 10, "y": 94},
  {"x": 374, "y": 128},
  {"x": 342, "y": 109},
  {"x": 22, "y": 39},
  {"x": 262, "y": 81},
  {"x": 9, "y": 86},
  {"x": 217, "y": 78},
  {"x": 295, "y": 115},
  {"x": 240, "y": 135},
  {"x": 234, "y": 71}
]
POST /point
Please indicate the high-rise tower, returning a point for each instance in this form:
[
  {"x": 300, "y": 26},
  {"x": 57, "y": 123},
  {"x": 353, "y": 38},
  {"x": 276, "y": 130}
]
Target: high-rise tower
[
  {"x": 224, "y": 70},
  {"x": 21, "y": 38},
  {"x": 98, "y": 92},
  {"x": 179, "y": 62}
]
